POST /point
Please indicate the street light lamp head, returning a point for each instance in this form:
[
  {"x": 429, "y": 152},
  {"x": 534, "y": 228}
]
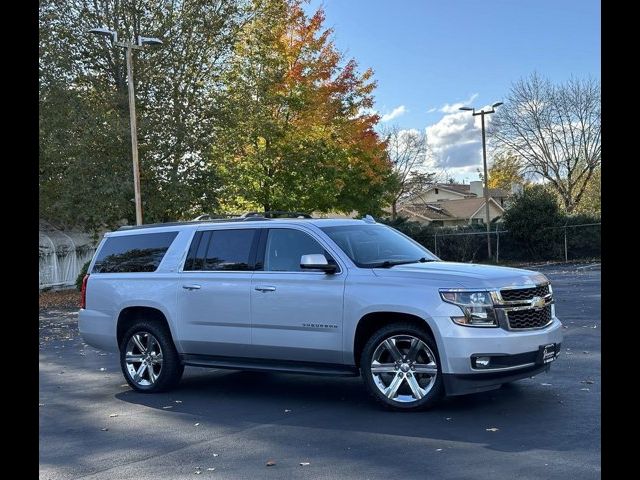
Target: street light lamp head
[
  {"x": 148, "y": 41},
  {"x": 105, "y": 32},
  {"x": 497, "y": 104},
  {"x": 466, "y": 109}
]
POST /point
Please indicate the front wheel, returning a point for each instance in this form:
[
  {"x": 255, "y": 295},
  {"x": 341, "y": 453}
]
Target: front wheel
[
  {"x": 400, "y": 368},
  {"x": 148, "y": 358}
]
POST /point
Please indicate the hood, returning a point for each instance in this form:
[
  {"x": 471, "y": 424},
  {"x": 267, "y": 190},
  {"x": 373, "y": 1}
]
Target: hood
[{"x": 466, "y": 275}]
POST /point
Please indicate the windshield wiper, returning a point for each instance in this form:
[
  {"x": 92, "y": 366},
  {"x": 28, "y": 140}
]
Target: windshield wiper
[{"x": 391, "y": 263}]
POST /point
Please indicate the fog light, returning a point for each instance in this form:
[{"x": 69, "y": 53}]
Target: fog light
[{"x": 482, "y": 362}]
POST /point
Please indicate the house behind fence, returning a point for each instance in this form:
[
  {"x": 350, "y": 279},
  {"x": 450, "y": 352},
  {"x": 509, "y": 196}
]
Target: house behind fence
[{"x": 452, "y": 204}]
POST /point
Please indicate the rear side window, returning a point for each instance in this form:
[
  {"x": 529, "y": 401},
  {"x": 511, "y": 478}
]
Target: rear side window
[
  {"x": 133, "y": 253},
  {"x": 216, "y": 250}
]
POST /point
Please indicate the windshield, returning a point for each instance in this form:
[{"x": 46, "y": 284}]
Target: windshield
[{"x": 371, "y": 246}]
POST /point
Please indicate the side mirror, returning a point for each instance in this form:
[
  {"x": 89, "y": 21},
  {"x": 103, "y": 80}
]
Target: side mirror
[{"x": 317, "y": 261}]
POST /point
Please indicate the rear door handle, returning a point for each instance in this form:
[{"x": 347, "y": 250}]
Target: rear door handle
[
  {"x": 191, "y": 287},
  {"x": 265, "y": 288}
]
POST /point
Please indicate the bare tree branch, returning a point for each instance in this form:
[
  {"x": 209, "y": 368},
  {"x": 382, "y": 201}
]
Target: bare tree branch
[{"x": 555, "y": 132}]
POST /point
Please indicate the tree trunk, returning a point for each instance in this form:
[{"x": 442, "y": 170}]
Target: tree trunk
[{"x": 394, "y": 210}]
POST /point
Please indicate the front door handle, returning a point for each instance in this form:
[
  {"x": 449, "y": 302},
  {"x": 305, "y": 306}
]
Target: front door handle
[
  {"x": 191, "y": 287},
  {"x": 265, "y": 288}
]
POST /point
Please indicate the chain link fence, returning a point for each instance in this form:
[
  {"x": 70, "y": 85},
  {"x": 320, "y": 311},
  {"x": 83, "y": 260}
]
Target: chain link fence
[{"x": 469, "y": 244}]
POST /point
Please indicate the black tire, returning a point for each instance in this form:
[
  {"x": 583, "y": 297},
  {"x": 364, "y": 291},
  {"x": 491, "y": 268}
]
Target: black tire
[
  {"x": 436, "y": 390},
  {"x": 171, "y": 370}
]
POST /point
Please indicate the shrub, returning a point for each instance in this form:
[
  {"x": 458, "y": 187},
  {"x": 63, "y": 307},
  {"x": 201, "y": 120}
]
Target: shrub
[
  {"x": 530, "y": 220},
  {"x": 83, "y": 272}
]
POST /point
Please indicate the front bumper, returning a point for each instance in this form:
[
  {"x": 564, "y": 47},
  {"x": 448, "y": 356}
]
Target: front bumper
[
  {"x": 481, "y": 382},
  {"x": 517, "y": 351}
]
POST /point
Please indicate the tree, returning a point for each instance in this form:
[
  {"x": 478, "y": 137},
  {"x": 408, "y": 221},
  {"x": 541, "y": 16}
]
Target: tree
[
  {"x": 296, "y": 134},
  {"x": 84, "y": 124},
  {"x": 555, "y": 132},
  {"x": 590, "y": 201},
  {"x": 529, "y": 219},
  {"x": 505, "y": 171},
  {"x": 407, "y": 150}
]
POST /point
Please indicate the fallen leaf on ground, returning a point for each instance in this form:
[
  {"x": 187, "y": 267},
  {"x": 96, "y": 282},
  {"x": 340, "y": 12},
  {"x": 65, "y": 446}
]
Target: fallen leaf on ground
[
  {"x": 178, "y": 401},
  {"x": 448, "y": 419},
  {"x": 438, "y": 449},
  {"x": 585, "y": 389},
  {"x": 588, "y": 382},
  {"x": 304, "y": 464},
  {"x": 113, "y": 415},
  {"x": 546, "y": 384},
  {"x": 41, "y": 404},
  {"x": 102, "y": 369},
  {"x": 287, "y": 411},
  {"x": 211, "y": 469},
  {"x": 167, "y": 407},
  {"x": 196, "y": 424},
  {"x": 104, "y": 429},
  {"x": 492, "y": 429},
  {"x": 270, "y": 463},
  {"x": 216, "y": 454}
]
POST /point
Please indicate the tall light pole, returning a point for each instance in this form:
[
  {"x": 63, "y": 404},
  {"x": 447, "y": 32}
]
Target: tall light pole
[
  {"x": 130, "y": 46},
  {"x": 482, "y": 113}
]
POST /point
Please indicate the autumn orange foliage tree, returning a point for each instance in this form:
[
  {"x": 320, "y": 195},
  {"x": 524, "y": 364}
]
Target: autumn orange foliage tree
[{"x": 296, "y": 133}]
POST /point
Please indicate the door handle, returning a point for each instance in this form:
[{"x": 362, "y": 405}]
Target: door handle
[
  {"x": 265, "y": 288},
  {"x": 191, "y": 287}
]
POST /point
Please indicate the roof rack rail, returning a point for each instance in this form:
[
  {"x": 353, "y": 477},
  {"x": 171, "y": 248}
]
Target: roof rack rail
[
  {"x": 277, "y": 214},
  {"x": 190, "y": 222},
  {"x": 225, "y": 217}
]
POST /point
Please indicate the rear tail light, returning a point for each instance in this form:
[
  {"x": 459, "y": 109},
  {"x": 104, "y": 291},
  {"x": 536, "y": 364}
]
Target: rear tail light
[{"x": 83, "y": 301}]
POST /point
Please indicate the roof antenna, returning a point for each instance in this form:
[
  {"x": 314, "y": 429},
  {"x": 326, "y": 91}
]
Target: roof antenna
[{"x": 369, "y": 219}]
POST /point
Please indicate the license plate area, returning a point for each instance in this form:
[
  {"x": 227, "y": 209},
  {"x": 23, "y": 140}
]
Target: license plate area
[{"x": 547, "y": 353}]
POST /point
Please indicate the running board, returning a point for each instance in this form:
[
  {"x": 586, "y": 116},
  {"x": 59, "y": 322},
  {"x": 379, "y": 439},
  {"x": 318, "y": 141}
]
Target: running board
[{"x": 261, "y": 365}]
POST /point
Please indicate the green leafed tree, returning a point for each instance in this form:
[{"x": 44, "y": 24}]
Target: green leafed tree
[
  {"x": 296, "y": 133},
  {"x": 85, "y": 150}
]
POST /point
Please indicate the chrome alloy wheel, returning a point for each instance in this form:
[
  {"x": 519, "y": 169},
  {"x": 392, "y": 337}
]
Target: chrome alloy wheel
[
  {"x": 143, "y": 358},
  {"x": 404, "y": 368}
]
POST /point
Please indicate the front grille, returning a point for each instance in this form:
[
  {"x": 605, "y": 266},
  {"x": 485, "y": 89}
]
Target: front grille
[
  {"x": 530, "y": 318},
  {"x": 515, "y": 294}
]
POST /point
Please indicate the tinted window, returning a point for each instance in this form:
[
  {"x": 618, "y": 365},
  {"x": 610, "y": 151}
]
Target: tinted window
[
  {"x": 221, "y": 250},
  {"x": 285, "y": 247},
  {"x": 133, "y": 253}
]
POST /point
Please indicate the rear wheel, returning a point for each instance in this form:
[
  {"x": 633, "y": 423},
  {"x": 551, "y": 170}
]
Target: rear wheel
[
  {"x": 148, "y": 358},
  {"x": 401, "y": 369}
]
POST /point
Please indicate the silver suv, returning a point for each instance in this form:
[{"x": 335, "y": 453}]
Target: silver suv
[{"x": 318, "y": 296}]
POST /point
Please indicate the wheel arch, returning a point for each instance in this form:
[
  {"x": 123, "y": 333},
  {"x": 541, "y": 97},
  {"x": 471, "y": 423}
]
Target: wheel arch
[
  {"x": 130, "y": 314},
  {"x": 373, "y": 321}
]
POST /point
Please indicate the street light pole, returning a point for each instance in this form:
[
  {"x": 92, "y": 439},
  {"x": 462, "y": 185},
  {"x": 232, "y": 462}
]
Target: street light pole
[
  {"x": 134, "y": 136},
  {"x": 482, "y": 113},
  {"x": 129, "y": 46}
]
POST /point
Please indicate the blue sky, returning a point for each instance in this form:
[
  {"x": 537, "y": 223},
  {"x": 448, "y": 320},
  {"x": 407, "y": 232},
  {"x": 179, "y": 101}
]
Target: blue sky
[{"x": 427, "y": 54}]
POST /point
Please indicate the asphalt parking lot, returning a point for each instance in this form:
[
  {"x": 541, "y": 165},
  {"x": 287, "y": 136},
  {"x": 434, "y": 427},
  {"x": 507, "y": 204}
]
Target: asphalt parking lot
[{"x": 228, "y": 424}]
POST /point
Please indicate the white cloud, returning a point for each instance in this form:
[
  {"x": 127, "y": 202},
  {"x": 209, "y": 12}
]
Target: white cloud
[
  {"x": 456, "y": 142},
  {"x": 431, "y": 110},
  {"x": 454, "y": 107},
  {"x": 395, "y": 113}
]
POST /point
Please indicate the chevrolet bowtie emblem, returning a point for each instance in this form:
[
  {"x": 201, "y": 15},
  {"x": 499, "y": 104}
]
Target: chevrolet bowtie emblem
[{"x": 537, "y": 302}]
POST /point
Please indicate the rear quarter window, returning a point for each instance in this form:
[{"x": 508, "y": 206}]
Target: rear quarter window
[{"x": 133, "y": 253}]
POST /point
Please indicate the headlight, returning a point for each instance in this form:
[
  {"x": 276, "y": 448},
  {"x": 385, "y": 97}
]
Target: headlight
[{"x": 477, "y": 307}]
